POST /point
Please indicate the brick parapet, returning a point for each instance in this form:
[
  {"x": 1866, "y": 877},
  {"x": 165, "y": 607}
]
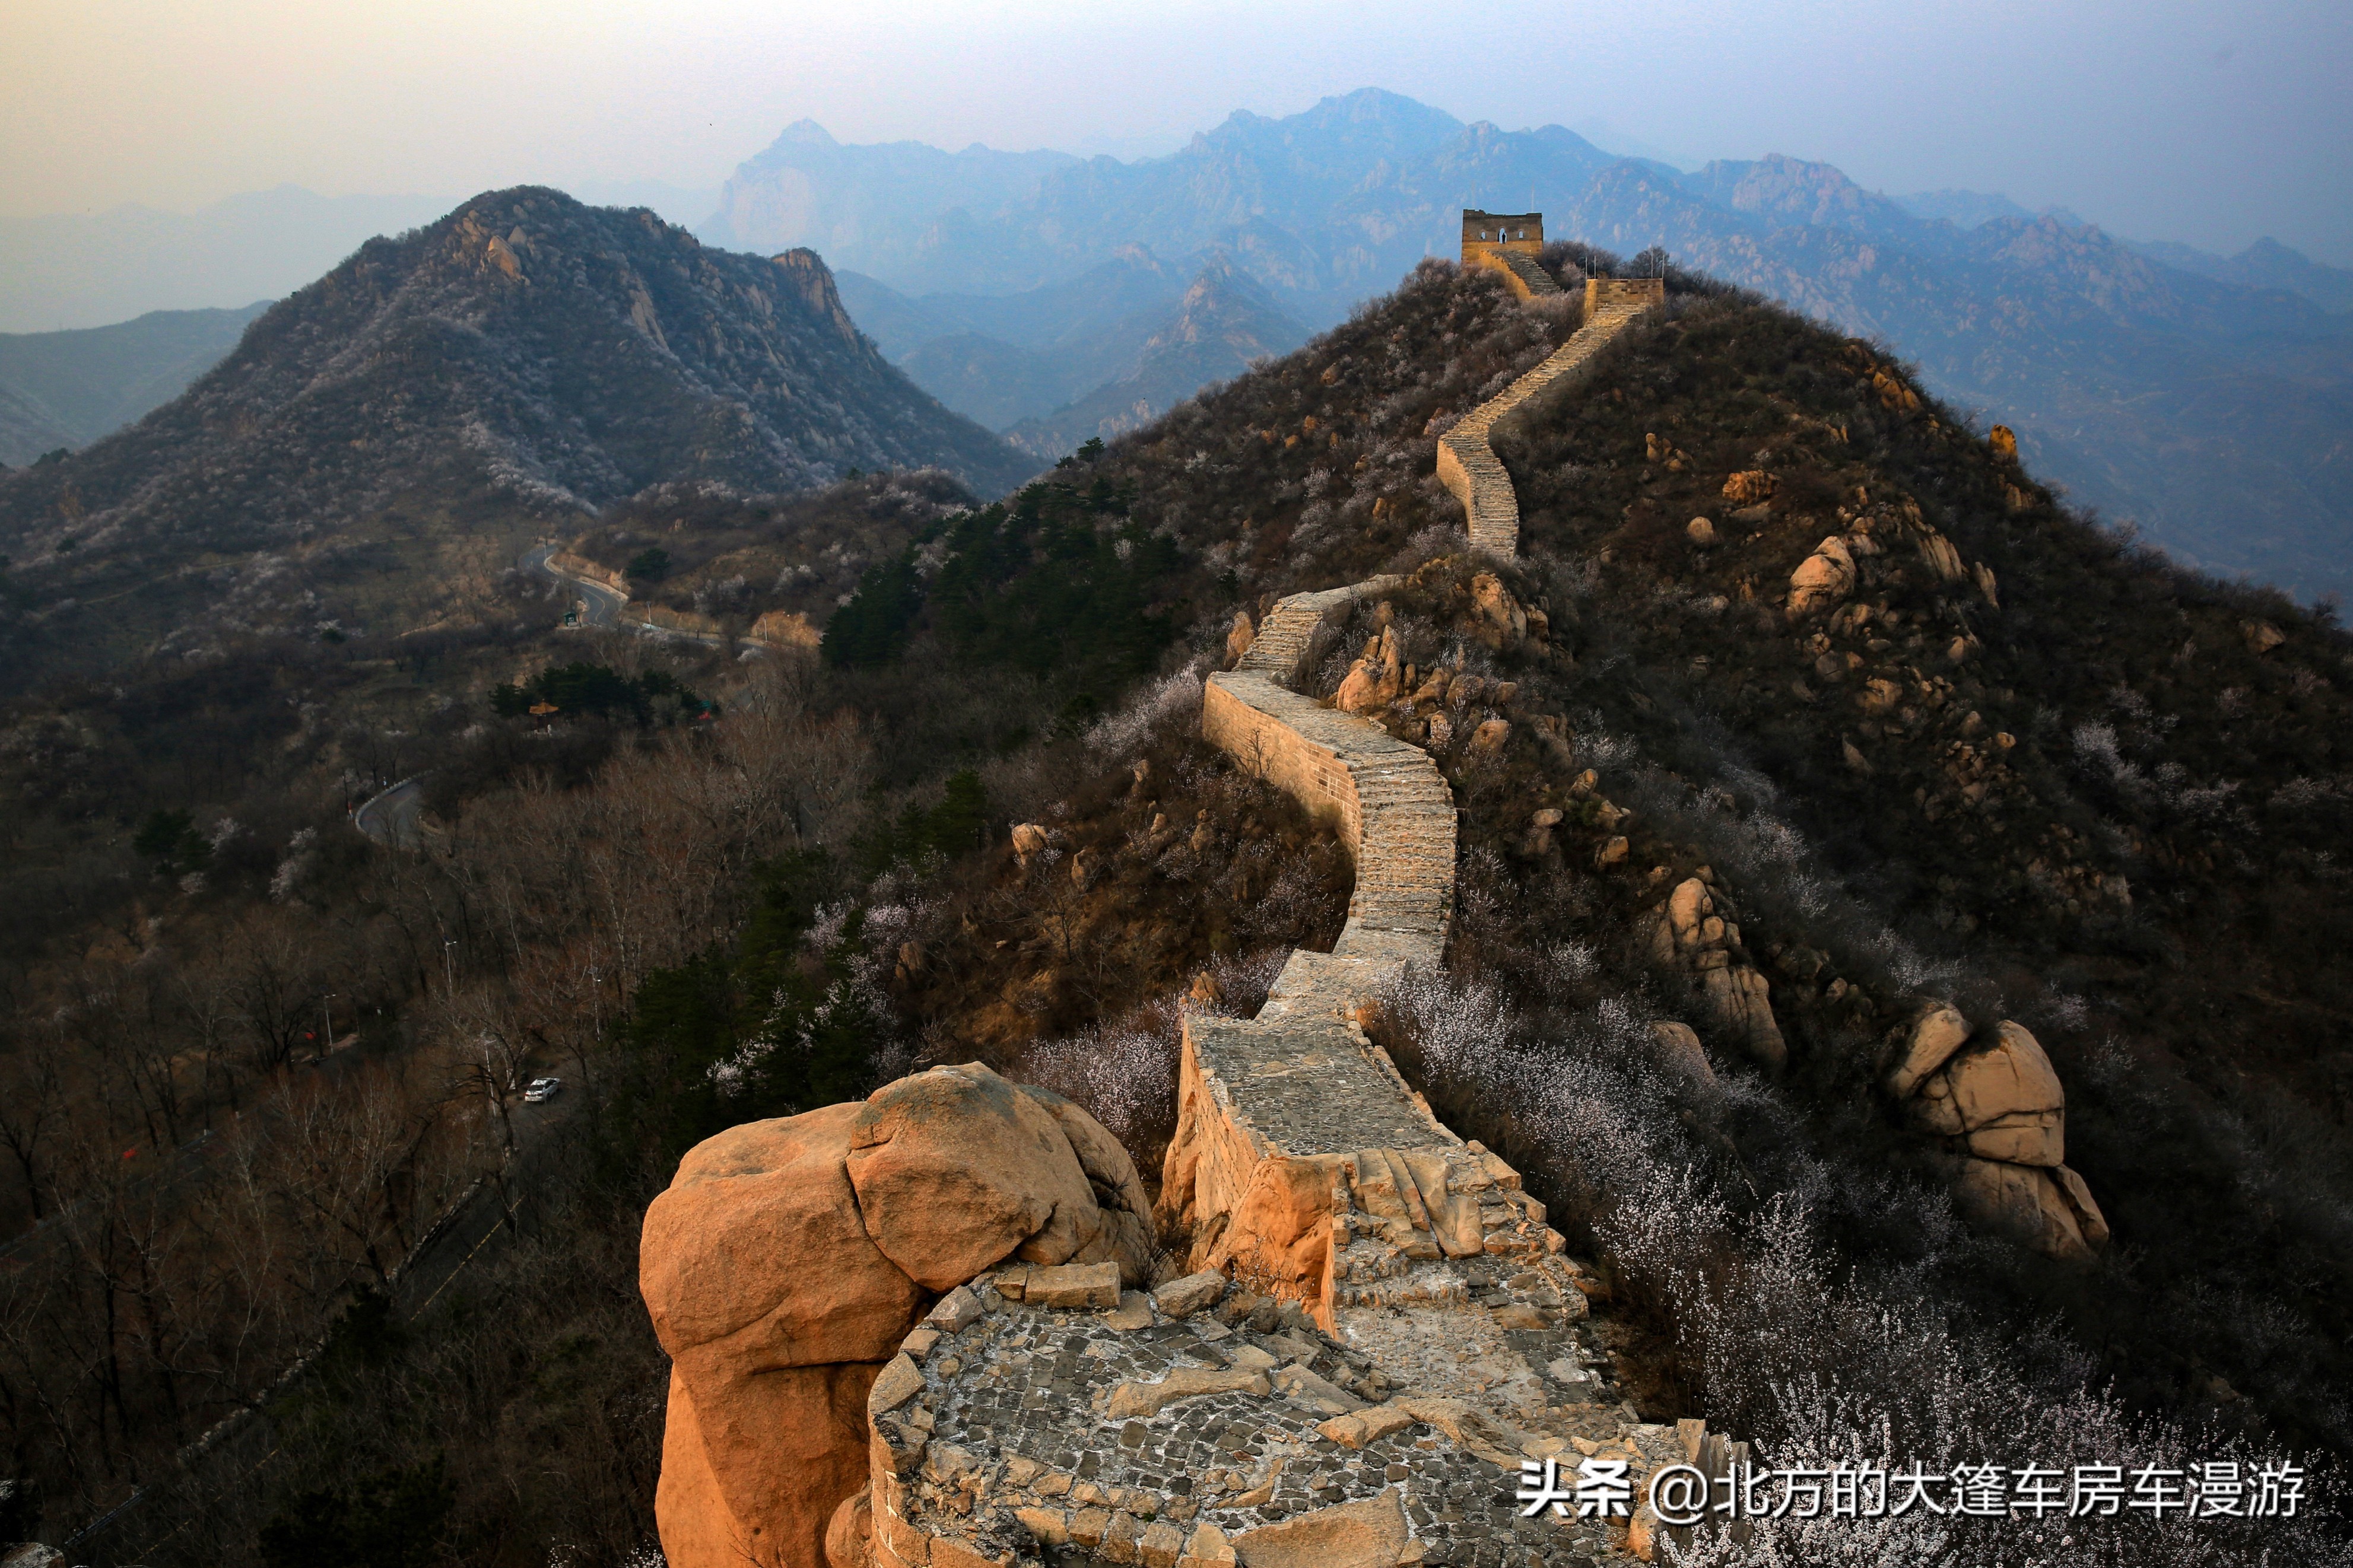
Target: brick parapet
[
  {"x": 1304, "y": 1164},
  {"x": 1467, "y": 464}
]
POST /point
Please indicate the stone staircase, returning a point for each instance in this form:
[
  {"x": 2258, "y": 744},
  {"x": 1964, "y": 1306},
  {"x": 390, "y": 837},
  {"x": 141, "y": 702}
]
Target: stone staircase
[{"x": 1522, "y": 274}]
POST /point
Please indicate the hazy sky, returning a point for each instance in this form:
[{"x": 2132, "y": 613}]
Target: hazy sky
[{"x": 2161, "y": 118}]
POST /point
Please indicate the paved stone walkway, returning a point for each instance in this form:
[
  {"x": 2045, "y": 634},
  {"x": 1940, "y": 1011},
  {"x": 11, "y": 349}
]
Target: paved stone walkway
[{"x": 1403, "y": 1330}]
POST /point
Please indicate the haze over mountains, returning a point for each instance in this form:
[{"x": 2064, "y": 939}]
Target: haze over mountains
[
  {"x": 68, "y": 389},
  {"x": 1051, "y": 297},
  {"x": 1056, "y": 366},
  {"x": 2219, "y": 418}
]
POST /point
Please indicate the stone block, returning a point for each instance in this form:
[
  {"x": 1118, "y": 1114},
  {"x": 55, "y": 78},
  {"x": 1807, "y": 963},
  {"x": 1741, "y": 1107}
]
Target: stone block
[
  {"x": 1133, "y": 1312},
  {"x": 1160, "y": 1546},
  {"x": 957, "y": 1310},
  {"x": 1047, "y": 1526},
  {"x": 1180, "y": 1298},
  {"x": 947, "y": 1551},
  {"x": 1369, "y": 1534},
  {"x": 1207, "y": 1548},
  {"x": 1367, "y": 1426},
  {"x": 1074, "y": 1285},
  {"x": 901, "y": 1380},
  {"x": 1149, "y": 1399}
]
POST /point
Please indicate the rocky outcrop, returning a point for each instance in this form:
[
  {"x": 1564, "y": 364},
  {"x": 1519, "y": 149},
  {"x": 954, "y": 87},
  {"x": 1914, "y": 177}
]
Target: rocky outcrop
[
  {"x": 1822, "y": 579},
  {"x": 1995, "y": 1104},
  {"x": 1375, "y": 679},
  {"x": 788, "y": 1259},
  {"x": 777, "y": 1310},
  {"x": 1689, "y": 931},
  {"x": 1841, "y": 564},
  {"x": 955, "y": 1168}
]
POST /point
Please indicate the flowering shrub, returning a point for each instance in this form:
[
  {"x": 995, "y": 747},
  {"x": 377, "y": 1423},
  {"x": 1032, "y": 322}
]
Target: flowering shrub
[{"x": 1814, "y": 1357}]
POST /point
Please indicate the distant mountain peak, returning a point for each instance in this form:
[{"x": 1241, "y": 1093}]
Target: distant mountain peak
[
  {"x": 524, "y": 355},
  {"x": 1377, "y": 102}
]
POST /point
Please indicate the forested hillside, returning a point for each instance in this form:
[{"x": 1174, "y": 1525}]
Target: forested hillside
[
  {"x": 76, "y": 386},
  {"x": 2001, "y": 756}
]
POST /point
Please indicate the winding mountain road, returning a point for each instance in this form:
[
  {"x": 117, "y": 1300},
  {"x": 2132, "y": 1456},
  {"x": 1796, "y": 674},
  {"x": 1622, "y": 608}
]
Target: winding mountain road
[
  {"x": 599, "y": 606},
  {"x": 394, "y": 816},
  {"x": 604, "y": 609}
]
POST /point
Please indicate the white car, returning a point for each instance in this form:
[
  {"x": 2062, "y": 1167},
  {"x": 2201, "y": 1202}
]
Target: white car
[{"x": 541, "y": 1089}]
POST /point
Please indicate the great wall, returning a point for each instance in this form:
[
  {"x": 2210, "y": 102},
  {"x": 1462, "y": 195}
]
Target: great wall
[{"x": 1364, "y": 1328}]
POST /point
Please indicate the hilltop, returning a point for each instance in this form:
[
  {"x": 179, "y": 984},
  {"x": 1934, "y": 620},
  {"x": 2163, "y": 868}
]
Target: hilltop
[{"x": 519, "y": 362}]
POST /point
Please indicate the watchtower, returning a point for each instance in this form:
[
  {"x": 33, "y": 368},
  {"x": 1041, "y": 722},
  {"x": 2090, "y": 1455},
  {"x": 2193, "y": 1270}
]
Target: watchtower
[
  {"x": 1499, "y": 234},
  {"x": 1508, "y": 243}
]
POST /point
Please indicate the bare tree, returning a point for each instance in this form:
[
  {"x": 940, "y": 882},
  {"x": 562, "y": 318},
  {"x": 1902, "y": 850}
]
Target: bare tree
[{"x": 32, "y": 1111}]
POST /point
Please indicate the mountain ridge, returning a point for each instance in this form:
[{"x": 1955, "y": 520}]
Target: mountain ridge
[
  {"x": 524, "y": 360},
  {"x": 2209, "y": 410},
  {"x": 90, "y": 381},
  {"x": 1223, "y": 325}
]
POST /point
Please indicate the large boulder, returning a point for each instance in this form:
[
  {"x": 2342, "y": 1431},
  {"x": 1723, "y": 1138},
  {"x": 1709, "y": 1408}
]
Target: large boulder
[
  {"x": 777, "y": 1310},
  {"x": 1688, "y": 908},
  {"x": 1126, "y": 1238},
  {"x": 1822, "y": 579},
  {"x": 2000, "y": 1099},
  {"x": 1375, "y": 679},
  {"x": 757, "y": 1256},
  {"x": 2027, "y": 1202},
  {"x": 789, "y": 1258},
  {"x": 1740, "y": 1004},
  {"x": 1691, "y": 931},
  {"x": 957, "y": 1169},
  {"x": 753, "y": 1480},
  {"x": 1935, "y": 1036},
  {"x": 2001, "y": 1095},
  {"x": 1496, "y": 605},
  {"x": 2008, "y": 1100},
  {"x": 1937, "y": 553},
  {"x": 2088, "y": 1217}
]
